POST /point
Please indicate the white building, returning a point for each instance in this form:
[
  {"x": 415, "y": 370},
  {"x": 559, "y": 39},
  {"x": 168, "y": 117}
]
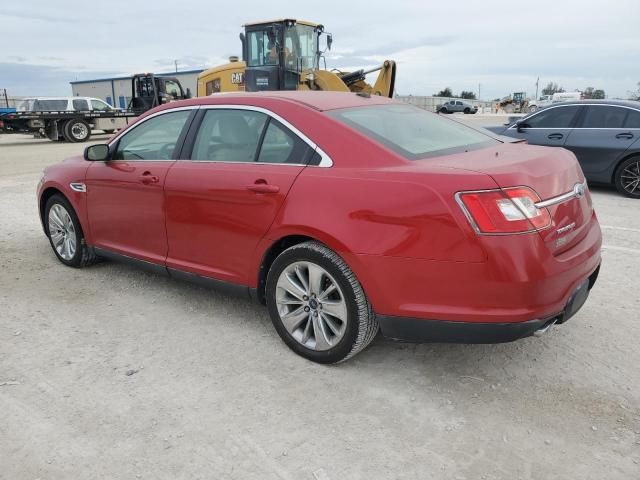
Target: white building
[{"x": 116, "y": 91}]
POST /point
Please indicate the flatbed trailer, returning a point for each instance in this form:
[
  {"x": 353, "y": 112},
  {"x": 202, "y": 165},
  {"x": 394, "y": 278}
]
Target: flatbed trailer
[
  {"x": 72, "y": 126},
  {"x": 148, "y": 92}
]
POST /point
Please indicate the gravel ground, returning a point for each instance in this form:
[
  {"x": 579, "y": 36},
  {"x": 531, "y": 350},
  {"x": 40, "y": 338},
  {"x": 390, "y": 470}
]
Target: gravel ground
[{"x": 111, "y": 372}]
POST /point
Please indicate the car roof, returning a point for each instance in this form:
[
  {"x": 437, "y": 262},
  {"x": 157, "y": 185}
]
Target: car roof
[
  {"x": 620, "y": 103},
  {"x": 316, "y": 100}
]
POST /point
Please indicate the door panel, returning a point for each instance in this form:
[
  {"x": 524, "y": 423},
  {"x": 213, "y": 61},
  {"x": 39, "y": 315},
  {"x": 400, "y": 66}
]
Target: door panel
[
  {"x": 125, "y": 203},
  {"x": 125, "y": 196},
  {"x": 218, "y": 212},
  {"x": 601, "y": 139},
  {"x": 550, "y": 127},
  {"x": 599, "y": 149}
]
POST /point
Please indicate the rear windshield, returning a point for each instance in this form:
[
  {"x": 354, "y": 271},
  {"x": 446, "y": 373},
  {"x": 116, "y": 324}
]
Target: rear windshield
[{"x": 411, "y": 131}]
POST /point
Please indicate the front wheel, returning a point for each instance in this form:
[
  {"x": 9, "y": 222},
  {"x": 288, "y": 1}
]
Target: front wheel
[
  {"x": 317, "y": 305},
  {"x": 532, "y": 108},
  {"x": 627, "y": 177},
  {"x": 65, "y": 233},
  {"x": 467, "y": 111}
]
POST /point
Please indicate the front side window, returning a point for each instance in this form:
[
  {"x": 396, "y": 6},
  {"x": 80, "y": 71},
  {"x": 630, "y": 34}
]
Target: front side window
[
  {"x": 153, "y": 139},
  {"x": 229, "y": 136},
  {"x": 604, "y": 117},
  {"x": 411, "y": 131},
  {"x": 558, "y": 117},
  {"x": 99, "y": 105}
]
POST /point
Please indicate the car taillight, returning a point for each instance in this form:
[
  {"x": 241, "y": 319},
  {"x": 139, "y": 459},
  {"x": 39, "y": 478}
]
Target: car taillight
[{"x": 510, "y": 210}]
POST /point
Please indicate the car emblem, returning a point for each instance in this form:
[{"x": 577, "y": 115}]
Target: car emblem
[{"x": 578, "y": 190}]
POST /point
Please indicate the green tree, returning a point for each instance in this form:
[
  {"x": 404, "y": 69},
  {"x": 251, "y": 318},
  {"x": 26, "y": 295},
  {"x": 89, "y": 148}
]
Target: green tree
[
  {"x": 636, "y": 94},
  {"x": 552, "y": 88},
  {"x": 467, "y": 95},
  {"x": 444, "y": 93}
]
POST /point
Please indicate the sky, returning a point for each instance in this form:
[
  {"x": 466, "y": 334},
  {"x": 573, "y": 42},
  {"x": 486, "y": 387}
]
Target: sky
[{"x": 496, "y": 47}]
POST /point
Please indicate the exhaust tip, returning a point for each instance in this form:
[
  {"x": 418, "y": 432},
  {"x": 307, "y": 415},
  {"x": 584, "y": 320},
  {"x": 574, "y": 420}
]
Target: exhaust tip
[{"x": 545, "y": 328}]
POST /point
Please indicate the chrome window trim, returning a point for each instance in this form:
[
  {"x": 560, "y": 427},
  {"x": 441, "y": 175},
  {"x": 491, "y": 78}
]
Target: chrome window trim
[
  {"x": 125, "y": 131},
  {"x": 325, "y": 160},
  {"x": 577, "y": 105}
]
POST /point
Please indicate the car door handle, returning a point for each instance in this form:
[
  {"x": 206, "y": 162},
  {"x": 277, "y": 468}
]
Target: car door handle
[
  {"x": 261, "y": 186},
  {"x": 555, "y": 136},
  {"x": 147, "y": 178},
  {"x": 627, "y": 135}
]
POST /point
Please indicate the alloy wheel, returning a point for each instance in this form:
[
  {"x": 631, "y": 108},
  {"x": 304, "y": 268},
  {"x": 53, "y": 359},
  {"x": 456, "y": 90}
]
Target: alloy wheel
[
  {"x": 630, "y": 178},
  {"x": 311, "y": 305},
  {"x": 62, "y": 232}
]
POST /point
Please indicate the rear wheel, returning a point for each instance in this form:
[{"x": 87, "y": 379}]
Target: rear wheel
[
  {"x": 77, "y": 130},
  {"x": 627, "y": 177},
  {"x": 317, "y": 305},
  {"x": 65, "y": 233}
]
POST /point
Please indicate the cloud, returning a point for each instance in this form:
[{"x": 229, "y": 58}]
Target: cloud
[{"x": 22, "y": 79}]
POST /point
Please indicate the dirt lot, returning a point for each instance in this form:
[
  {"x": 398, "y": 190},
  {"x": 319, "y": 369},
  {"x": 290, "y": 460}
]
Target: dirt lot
[{"x": 111, "y": 372}]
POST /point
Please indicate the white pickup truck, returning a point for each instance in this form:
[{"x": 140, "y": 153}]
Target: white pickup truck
[{"x": 546, "y": 100}]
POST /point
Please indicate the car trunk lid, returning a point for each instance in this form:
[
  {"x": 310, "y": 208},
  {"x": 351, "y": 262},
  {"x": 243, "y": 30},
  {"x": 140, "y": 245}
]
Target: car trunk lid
[{"x": 553, "y": 173}]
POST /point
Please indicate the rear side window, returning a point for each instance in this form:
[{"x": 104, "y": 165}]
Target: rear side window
[
  {"x": 50, "y": 105},
  {"x": 604, "y": 117},
  {"x": 555, "y": 117},
  {"x": 80, "y": 104},
  {"x": 412, "y": 132},
  {"x": 633, "y": 119},
  {"x": 229, "y": 136},
  {"x": 282, "y": 146}
]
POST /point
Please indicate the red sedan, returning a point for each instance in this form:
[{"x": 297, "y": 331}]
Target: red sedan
[{"x": 343, "y": 213}]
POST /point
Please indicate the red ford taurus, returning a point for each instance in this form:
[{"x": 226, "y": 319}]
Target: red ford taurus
[{"x": 342, "y": 213}]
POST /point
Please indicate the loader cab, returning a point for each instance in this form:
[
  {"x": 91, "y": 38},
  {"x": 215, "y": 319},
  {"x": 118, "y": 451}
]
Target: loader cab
[
  {"x": 149, "y": 91},
  {"x": 278, "y": 52}
]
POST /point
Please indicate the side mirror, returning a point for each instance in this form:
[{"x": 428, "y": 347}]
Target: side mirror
[
  {"x": 97, "y": 153},
  {"x": 521, "y": 125},
  {"x": 329, "y": 40}
]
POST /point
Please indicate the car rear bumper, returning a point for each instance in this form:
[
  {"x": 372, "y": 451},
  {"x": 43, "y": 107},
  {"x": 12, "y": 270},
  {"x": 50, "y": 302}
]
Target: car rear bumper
[
  {"x": 422, "y": 330},
  {"x": 521, "y": 281}
]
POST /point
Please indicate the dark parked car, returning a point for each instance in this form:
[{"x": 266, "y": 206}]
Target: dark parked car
[
  {"x": 457, "y": 106},
  {"x": 603, "y": 135}
]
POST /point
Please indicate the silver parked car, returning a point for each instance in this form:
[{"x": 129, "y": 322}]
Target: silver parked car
[{"x": 457, "y": 106}]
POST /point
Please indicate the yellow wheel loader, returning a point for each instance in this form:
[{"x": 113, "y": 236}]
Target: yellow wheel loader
[{"x": 285, "y": 54}]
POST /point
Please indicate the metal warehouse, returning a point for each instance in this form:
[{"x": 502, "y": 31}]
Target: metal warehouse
[{"x": 116, "y": 91}]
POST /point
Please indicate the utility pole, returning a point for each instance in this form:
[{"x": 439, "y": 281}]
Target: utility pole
[
  {"x": 6, "y": 99},
  {"x": 479, "y": 96},
  {"x": 537, "y": 83},
  {"x": 176, "y": 64}
]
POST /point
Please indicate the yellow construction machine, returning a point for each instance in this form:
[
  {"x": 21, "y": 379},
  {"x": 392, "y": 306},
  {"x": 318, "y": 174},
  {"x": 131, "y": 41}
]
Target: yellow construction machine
[{"x": 285, "y": 54}]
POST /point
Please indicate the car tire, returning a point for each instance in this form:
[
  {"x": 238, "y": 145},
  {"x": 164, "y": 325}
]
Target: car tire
[
  {"x": 627, "y": 177},
  {"x": 467, "y": 111},
  {"x": 65, "y": 235},
  {"x": 443, "y": 110},
  {"x": 77, "y": 130},
  {"x": 296, "y": 282}
]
